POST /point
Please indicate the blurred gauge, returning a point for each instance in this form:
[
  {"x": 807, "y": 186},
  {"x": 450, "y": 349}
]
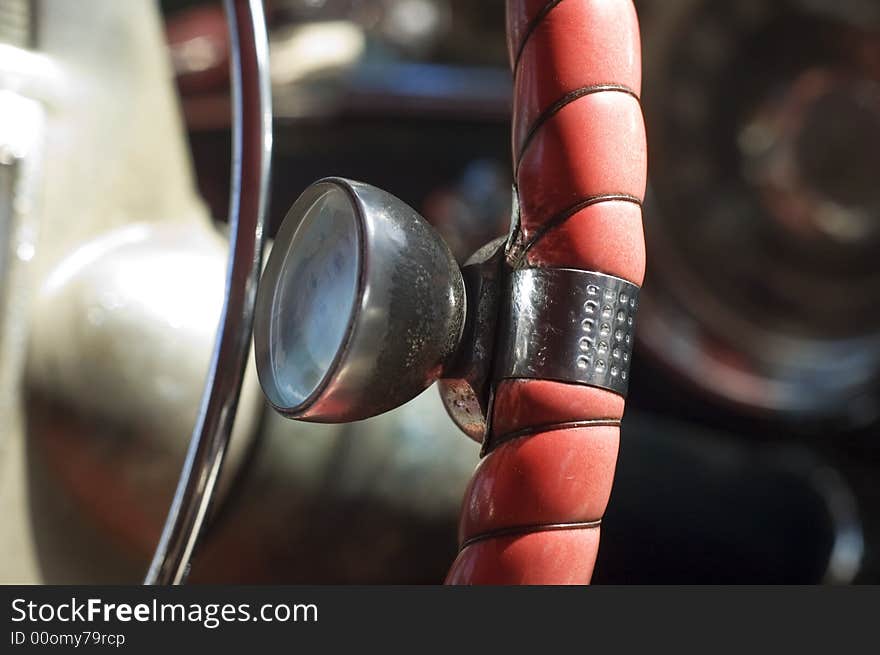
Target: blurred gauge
[{"x": 763, "y": 216}]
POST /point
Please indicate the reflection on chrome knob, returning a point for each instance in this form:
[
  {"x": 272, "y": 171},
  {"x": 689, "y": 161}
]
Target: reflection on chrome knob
[{"x": 360, "y": 307}]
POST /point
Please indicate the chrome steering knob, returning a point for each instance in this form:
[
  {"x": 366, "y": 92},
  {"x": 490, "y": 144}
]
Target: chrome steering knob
[{"x": 360, "y": 308}]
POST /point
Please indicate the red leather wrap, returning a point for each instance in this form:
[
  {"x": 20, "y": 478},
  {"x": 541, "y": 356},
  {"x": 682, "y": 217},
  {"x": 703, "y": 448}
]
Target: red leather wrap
[{"x": 532, "y": 510}]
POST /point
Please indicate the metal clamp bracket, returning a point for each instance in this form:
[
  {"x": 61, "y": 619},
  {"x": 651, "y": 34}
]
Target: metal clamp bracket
[
  {"x": 567, "y": 325},
  {"x": 558, "y": 324}
]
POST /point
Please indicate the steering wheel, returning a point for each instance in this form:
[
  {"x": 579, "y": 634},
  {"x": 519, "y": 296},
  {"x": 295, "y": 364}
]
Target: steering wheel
[{"x": 531, "y": 340}]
